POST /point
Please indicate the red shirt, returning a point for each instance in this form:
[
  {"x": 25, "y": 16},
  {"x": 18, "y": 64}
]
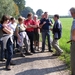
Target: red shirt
[
  {"x": 37, "y": 22},
  {"x": 31, "y": 22}
]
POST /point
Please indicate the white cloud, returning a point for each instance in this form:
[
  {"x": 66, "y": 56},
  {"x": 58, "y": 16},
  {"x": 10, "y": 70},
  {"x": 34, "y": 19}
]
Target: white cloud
[{"x": 60, "y": 7}]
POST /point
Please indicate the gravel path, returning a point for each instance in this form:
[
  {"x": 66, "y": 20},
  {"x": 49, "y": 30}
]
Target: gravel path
[{"x": 37, "y": 64}]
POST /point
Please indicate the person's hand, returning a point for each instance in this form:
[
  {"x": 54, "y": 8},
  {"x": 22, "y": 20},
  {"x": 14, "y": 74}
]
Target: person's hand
[
  {"x": 44, "y": 23},
  {"x": 50, "y": 23},
  {"x": 39, "y": 33},
  {"x": 29, "y": 25},
  {"x": 51, "y": 29},
  {"x": 25, "y": 26},
  {"x": 73, "y": 38},
  {"x": 19, "y": 40}
]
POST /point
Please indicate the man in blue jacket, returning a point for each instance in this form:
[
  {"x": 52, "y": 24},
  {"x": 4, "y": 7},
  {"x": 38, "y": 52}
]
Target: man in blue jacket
[
  {"x": 57, "y": 33},
  {"x": 45, "y": 30}
]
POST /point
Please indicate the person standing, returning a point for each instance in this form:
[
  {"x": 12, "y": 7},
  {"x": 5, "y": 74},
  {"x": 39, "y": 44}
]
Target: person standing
[
  {"x": 57, "y": 32},
  {"x": 22, "y": 36},
  {"x": 45, "y": 24},
  {"x": 30, "y": 30},
  {"x": 72, "y": 11},
  {"x": 13, "y": 25},
  {"x": 7, "y": 40},
  {"x": 1, "y": 43},
  {"x": 36, "y": 32}
]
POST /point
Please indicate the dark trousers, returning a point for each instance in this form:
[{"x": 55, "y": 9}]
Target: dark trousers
[
  {"x": 2, "y": 52},
  {"x": 46, "y": 33},
  {"x": 31, "y": 38},
  {"x": 15, "y": 45},
  {"x": 9, "y": 51}
]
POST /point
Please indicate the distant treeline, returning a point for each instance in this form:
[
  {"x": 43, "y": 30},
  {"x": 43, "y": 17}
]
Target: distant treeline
[{"x": 51, "y": 16}]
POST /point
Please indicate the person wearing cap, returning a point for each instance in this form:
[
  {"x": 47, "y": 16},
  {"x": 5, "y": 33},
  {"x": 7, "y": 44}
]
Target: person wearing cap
[
  {"x": 45, "y": 24},
  {"x": 36, "y": 32},
  {"x": 72, "y": 40}
]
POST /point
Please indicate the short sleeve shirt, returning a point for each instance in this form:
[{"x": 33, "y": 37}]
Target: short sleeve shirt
[
  {"x": 20, "y": 28},
  {"x": 47, "y": 25},
  {"x": 31, "y": 22}
]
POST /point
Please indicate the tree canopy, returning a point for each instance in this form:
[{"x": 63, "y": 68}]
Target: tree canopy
[
  {"x": 20, "y": 4},
  {"x": 7, "y": 7},
  {"x": 26, "y": 11},
  {"x": 39, "y": 12}
]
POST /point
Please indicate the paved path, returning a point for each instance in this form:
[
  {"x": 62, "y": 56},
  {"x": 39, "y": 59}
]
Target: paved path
[{"x": 37, "y": 64}]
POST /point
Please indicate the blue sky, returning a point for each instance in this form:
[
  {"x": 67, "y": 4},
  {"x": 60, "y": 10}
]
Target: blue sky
[{"x": 60, "y": 7}]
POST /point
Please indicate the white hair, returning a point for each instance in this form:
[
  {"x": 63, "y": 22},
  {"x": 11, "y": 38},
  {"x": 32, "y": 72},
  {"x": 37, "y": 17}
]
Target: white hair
[
  {"x": 36, "y": 16},
  {"x": 42, "y": 14}
]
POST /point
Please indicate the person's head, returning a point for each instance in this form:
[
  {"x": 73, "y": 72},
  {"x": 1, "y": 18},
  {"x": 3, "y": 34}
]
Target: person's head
[
  {"x": 29, "y": 16},
  {"x": 56, "y": 17},
  {"x": 42, "y": 16},
  {"x": 5, "y": 19},
  {"x": 20, "y": 20},
  {"x": 12, "y": 20},
  {"x": 46, "y": 15},
  {"x": 72, "y": 11},
  {"x": 35, "y": 17}
]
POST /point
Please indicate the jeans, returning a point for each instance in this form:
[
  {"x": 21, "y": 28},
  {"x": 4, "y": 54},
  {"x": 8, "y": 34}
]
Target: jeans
[
  {"x": 46, "y": 33},
  {"x": 31, "y": 38},
  {"x": 2, "y": 51},
  {"x": 9, "y": 51}
]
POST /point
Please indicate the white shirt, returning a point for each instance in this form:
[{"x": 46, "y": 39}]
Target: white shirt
[{"x": 13, "y": 26}]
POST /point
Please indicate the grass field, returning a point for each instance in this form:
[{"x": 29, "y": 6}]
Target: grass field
[{"x": 66, "y": 22}]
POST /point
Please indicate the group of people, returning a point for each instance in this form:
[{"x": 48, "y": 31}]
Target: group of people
[{"x": 24, "y": 35}]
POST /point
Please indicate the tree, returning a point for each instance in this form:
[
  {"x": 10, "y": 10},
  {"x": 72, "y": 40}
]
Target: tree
[
  {"x": 16, "y": 10},
  {"x": 39, "y": 12},
  {"x": 26, "y": 11},
  {"x": 7, "y": 7},
  {"x": 20, "y": 4}
]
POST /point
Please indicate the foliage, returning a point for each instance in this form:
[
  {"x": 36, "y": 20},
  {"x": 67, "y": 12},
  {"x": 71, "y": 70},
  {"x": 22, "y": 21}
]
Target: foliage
[
  {"x": 39, "y": 12},
  {"x": 20, "y": 4},
  {"x": 16, "y": 10},
  {"x": 7, "y": 7},
  {"x": 26, "y": 11}
]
